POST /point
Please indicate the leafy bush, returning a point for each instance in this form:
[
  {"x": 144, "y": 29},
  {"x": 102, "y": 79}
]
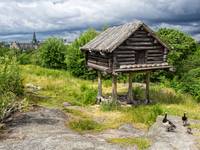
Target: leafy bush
[
  {"x": 75, "y": 59},
  {"x": 10, "y": 78},
  {"x": 181, "y": 46},
  {"x": 7, "y": 103},
  {"x": 88, "y": 95},
  {"x": 191, "y": 82},
  {"x": 52, "y": 53},
  {"x": 29, "y": 57},
  {"x": 10, "y": 85}
]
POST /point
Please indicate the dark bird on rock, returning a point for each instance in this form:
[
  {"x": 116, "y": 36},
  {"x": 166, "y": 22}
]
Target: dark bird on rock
[
  {"x": 189, "y": 130},
  {"x": 168, "y": 124},
  {"x": 185, "y": 120}
]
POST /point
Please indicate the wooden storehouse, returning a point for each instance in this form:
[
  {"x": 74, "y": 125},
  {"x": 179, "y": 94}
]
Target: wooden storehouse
[{"x": 127, "y": 48}]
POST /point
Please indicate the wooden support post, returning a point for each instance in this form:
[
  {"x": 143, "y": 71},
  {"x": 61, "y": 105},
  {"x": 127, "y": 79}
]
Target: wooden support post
[
  {"x": 114, "y": 88},
  {"x": 147, "y": 86},
  {"x": 99, "y": 94},
  {"x": 130, "y": 88}
]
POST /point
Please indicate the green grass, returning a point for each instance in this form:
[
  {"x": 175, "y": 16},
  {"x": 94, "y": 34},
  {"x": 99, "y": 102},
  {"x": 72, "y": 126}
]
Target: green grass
[
  {"x": 59, "y": 86},
  {"x": 195, "y": 126},
  {"x": 142, "y": 143},
  {"x": 85, "y": 125}
]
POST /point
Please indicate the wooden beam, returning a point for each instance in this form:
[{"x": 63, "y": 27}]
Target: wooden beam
[
  {"x": 147, "y": 86},
  {"x": 99, "y": 94},
  {"x": 114, "y": 88},
  {"x": 130, "y": 88}
]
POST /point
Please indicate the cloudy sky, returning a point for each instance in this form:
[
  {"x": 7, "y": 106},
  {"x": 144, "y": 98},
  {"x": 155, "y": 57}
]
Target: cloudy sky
[{"x": 68, "y": 18}]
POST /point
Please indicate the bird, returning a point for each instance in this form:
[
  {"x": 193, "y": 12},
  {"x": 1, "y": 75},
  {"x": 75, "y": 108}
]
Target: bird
[
  {"x": 168, "y": 124},
  {"x": 189, "y": 130},
  {"x": 185, "y": 119}
]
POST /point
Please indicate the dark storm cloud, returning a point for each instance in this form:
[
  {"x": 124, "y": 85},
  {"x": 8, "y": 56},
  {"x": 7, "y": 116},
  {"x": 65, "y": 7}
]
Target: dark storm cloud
[{"x": 59, "y": 17}]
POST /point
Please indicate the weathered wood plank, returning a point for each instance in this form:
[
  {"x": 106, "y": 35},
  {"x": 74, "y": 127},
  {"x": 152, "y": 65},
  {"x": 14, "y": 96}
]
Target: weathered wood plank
[
  {"x": 99, "y": 94},
  {"x": 127, "y": 63},
  {"x": 126, "y": 59},
  {"x": 98, "y": 63},
  {"x": 147, "y": 86},
  {"x": 159, "y": 51},
  {"x": 154, "y": 58},
  {"x": 125, "y": 52},
  {"x": 141, "y": 32},
  {"x": 98, "y": 67},
  {"x": 140, "y": 47},
  {"x": 130, "y": 88},
  {"x": 154, "y": 62},
  {"x": 114, "y": 88},
  {"x": 140, "y": 43},
  {"x": 140, "y": 36},
  {"x": 125, "y": 55},
  {"x": 154, "y": 55},
  {"x": 140, "y": 39}
]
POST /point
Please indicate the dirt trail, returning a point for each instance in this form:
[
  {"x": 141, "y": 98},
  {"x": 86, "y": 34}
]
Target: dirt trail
[{"x": 44, "y": 129}]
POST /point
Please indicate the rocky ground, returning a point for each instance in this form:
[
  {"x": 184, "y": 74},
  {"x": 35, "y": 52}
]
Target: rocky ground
[{"x": 44, "y": 129}]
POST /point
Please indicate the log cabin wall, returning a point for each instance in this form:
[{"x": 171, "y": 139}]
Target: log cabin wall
[
  {"x": 139, "y": 48},
  {"x": 101, "y": 60}
]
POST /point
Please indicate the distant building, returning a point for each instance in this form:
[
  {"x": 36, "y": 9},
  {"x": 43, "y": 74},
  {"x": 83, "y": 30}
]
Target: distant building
[{"x": 34, "y": 44}]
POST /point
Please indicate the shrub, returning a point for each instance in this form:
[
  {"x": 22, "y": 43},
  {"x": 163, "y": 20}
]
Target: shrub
[
  {"x": 75, "y": 59},
  {"x": 191, "y": 82},
  {"x": 181, "y": 45},
  {"x": 10, "y": 85},
  {"x": 30, "y": 57},
  {"x": 10, "y": 78},
  {"x": 88, "y": 95},
  {"x": 52, "y": 53},
  {"x": 7, "y": 103}
]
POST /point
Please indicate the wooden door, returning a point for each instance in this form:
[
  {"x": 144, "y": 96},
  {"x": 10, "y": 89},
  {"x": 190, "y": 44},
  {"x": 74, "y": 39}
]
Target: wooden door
[{"x": 140, "y": 57}]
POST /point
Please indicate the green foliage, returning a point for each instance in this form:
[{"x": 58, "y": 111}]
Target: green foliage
[
  {"x": 85, "y": 125},
  {"x": 144, "y": 114},
  {"x": 181, "y": 45},
  {"x": 7, "y": 100},
  {"x": 75, "y": 59},
  {"x": 191, "y": 82},
  {"x": 10, "y": 78},
  {"x": 109, "y": 106},
  {"x": 10, "y": 85},
  {"x": 142, "y": 143},
  {"x": 52, "y": 53},
  {"x": 29, "y": 57},
  {"x": 88, "y": 95}
]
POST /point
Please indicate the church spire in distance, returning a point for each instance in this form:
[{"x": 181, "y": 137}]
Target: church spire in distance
[{"x": 34, "y": 40}]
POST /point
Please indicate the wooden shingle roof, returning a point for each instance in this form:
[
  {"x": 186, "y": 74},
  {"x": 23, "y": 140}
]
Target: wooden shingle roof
[{"x": 111, "y": 38}]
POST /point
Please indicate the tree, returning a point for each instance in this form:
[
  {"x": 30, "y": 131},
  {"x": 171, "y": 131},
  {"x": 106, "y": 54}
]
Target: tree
[
  {"x": 52, "y": 53},
  {"x": 75, "y": 59},
  {"x": 181, "y": 46}
]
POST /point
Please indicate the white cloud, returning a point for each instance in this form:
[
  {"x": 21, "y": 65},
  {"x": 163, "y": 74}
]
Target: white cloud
[{"x": 26, "y": 16}]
